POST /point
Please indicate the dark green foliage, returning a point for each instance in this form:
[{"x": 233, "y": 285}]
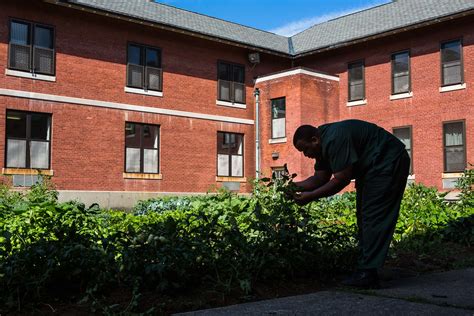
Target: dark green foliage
[
  {"x": 465, "y": 185},
  {"x": 162, "y": 205},
  {"x": 284, "y": 184},
  {"x": 460, "y": 230},
  {"x": 223, "y": 241}
]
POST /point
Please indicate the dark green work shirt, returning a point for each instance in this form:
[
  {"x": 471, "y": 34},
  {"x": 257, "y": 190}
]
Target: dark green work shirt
[{"x": 365, "y": 146}]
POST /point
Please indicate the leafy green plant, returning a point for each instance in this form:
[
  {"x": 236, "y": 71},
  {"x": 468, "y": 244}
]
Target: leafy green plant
[
  {"x": 466, "y": 185},
  {"x": 283, "y": 184},
  {"x": 423, "y": 210},
  {"x": 223, "y": 241}
]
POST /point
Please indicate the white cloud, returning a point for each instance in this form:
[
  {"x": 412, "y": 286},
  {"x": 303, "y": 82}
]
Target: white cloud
[{"x": 295, "y": 27}]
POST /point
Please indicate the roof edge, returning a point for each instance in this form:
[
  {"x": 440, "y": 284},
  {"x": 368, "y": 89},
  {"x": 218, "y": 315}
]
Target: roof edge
[
  {"x": 291, "y": 54},
  {"x": 386, "y": 33},
  {"x": 296, "y": 71},
  {"x": 171, "y": 28}
]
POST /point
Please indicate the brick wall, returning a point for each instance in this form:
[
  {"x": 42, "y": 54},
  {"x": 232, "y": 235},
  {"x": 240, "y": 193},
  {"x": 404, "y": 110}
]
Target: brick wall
[
  {"x": 88, "y": 142},
  {"x": 428, "y": 108},
  {"x": 308, "y": 101}
]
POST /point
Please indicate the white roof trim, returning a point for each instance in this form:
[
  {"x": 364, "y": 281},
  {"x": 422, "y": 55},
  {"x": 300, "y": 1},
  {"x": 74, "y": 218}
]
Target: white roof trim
[
  {"x": 122, "y": 106},
  {"x": 296, "y": 72}
]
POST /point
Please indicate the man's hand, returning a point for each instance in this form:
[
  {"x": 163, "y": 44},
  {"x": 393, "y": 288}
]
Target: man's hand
[{"x": 302, "y": 198}]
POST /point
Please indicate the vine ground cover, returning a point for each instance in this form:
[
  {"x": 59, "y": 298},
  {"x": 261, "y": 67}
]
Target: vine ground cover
[{"x": 218, "y": 248}]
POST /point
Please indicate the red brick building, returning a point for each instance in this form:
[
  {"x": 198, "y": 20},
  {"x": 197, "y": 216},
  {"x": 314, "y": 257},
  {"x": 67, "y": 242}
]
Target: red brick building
[{"x": 123, "y": 101}]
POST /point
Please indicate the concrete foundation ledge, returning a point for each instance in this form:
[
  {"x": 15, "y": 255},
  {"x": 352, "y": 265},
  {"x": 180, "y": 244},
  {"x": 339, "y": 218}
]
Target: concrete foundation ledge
[{"x": 125, "y": 200}]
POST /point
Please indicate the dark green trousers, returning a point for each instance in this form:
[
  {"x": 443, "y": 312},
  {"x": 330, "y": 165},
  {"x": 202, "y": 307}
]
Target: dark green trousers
[{"x": 379, "y": 195}]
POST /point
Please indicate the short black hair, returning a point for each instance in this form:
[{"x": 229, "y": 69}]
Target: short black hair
[{"x": 305, "y": 132}]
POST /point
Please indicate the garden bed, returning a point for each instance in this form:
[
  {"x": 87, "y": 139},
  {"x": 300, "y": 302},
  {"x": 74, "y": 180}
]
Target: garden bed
[{"x": 179, "y": 254}]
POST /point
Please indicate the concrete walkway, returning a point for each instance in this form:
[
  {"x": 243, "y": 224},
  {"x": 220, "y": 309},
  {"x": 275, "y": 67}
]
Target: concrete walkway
[{"x": 448, "y": 293}]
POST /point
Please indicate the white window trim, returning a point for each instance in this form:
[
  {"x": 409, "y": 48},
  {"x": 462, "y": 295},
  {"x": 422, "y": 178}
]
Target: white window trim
[
  {"x": 24, "y": 171},
  {"x": 145, "y": 176},
  {"x": 231, "y": 104},
  {"x": 29, "y": 75},
  {"x": 451, "y": 175},
  {"x": 277, "y": 140},
  {"x": 358, "y": 102},
  {"x": 401, "y": 96},
  {"x": 143, "y": 91},
  {"x": 230, "y": 179},
  {"x": 453, "y": 87}
]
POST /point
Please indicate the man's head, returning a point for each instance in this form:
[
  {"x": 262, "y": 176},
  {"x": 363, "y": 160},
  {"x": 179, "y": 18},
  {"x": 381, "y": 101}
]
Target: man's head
[{"x": 307, "y": 141}]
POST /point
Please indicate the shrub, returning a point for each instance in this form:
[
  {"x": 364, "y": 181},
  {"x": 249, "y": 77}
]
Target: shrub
[{"x": 221, "y": 240}]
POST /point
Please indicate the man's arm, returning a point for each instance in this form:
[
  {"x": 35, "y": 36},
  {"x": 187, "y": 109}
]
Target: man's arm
[
  {"x": 320, "y": 178},
  {"x": 337, "y": 183}
]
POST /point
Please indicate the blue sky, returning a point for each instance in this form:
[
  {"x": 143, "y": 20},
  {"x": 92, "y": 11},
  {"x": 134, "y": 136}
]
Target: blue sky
[{"x": 284, "y": 17}]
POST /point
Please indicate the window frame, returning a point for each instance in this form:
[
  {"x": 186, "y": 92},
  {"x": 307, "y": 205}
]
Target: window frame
[
  {"x": 410, "y": 128},
  {"x": 461, "y": 61},
  {"x": 271, "y": 116},
  {"x": 231, "y": 94},
  {"x": 277, "y": 170},
  {"x": 463, "y": 121},
  {"x": 143, "y": 48},
  {"x": 393, "y": 73},
  {"x": 230, "y": 160},
  {"x": 31, "y": 36},
  {"x": 28, "y": 139},
  {"x": 362, "y": 63},
  {"x": 142, "y": 166}
]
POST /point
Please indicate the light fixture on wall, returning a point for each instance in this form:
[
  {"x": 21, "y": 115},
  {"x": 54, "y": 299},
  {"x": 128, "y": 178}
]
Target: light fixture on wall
[{"x": 254, "y": 58}]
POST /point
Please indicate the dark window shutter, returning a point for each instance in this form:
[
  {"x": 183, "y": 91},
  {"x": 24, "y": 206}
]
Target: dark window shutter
[
  {"x": 153, "y": 78},
  {"x": 144, "y": 68},
  {"x": 43, "y": 50},
  {"x": 135, "y": 76},
  {"x": 231, "y": 85},
  {"x": 356, "y": 81},
  {"x": 238, "y": 74},
  {"x": 400, "y": 73},
  {"x": 20, "y": 57},
  {"x": 32, "y": 48},
  {"x": 239, "y": 92},
  {"x": 153, "y": 58},
  {"x": 224, "y": 90},
  {"x": 20, "y": 46},
  {"x": 454, "y": 147},
  {"x": 451, "y": 62},
  {"x": 44, "y": 60},
  {"x": 239, "y": 86},
  {"x": 224, "y": 72}
]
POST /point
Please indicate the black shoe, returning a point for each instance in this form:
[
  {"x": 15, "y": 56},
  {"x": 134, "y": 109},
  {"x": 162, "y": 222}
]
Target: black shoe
[{"x": 365, "y": 279}]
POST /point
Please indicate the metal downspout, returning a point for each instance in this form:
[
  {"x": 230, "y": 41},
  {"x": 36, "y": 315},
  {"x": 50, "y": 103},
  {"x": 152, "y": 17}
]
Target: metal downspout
[{"x": 256, "y": 94}]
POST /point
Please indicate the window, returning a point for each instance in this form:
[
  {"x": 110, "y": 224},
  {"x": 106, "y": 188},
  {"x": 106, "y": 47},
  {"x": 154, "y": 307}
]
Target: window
[
  {"x": 231, "y": 80},
  {"x": 144, "y": 68},
  {"x": 451, "y": 63},
  {"x": 230, "y": 161},
  {"x": 454, "y": 147},
  {"x": 356, "y": 81},
  {"x": 278, "y": 172},
  {"x": 401, "y": 73},
  {"x": 31, "y": 48},
  {"x": 28, "y": 140},
  {"x": 278, "y": 118},
  {"x": 141, "y": 148},
  {"x": 404, "y": 135}
]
